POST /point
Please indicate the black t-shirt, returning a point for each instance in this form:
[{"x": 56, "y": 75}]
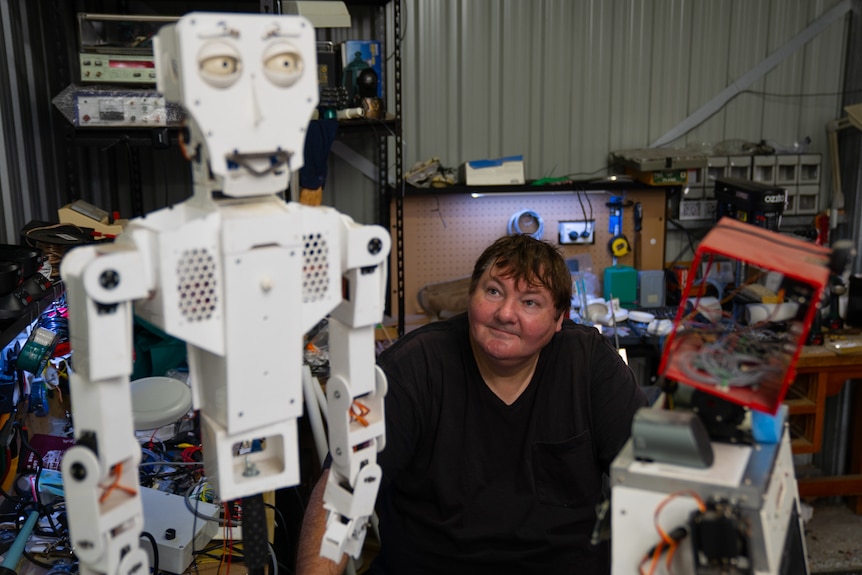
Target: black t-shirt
[{"x": 472, "y": 485}]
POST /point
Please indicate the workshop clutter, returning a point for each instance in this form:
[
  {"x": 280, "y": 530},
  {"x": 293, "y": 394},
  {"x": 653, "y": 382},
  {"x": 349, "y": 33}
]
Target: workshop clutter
[
  {"x": 790, "y": 169},
  {"x": 741, "y": 343},
  {"x": 431, "y": 173}
]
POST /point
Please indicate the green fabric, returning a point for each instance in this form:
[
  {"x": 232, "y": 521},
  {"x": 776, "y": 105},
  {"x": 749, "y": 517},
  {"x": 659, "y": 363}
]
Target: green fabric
[{"x": 156, "y": 352}]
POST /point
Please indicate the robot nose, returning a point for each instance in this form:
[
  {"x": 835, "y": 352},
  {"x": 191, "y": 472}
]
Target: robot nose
[{"x": 256, "y": 109}]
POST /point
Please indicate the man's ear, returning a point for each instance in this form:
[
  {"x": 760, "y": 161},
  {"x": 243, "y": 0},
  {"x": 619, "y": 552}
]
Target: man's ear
[{"x": 560, "y": 321}]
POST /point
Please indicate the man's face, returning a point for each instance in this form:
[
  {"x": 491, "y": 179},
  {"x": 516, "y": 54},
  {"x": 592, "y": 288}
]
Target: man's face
[{"x": 510, "y": 322}]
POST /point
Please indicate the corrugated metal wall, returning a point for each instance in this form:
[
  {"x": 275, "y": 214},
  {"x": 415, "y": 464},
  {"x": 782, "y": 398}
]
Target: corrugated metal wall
[
  {"x": 29, "y": 181},
  {"x": 561, "y": 82},
  {"x": 564, "y": 83}
]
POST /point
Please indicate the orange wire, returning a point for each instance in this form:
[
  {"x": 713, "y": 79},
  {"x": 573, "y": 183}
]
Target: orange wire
[
  {"x": 700, "y": 504},
  {"x": 359, "y": 416},
  {"x": 183, "y": 149},
  {"x": 225, "y": 538},
  {"x": 670, "y": 553},
  {"x": 117, "y": 472},
  {"x": 641, "y": 566},
  {"x": 667, "y": 540},
  {"x": 655, "y": 557},
  {"x": 229, "y": 547}
]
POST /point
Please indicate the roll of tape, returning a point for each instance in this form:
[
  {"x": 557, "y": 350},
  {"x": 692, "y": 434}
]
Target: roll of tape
[{"x": 619, "y": 246}]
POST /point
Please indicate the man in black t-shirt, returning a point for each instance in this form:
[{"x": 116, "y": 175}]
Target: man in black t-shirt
[{"x": 500, "y": 424}]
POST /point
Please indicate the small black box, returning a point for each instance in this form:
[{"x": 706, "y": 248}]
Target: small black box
[
  {"x": 327, "y": 66},
  {"x": 752, "y": 202}
]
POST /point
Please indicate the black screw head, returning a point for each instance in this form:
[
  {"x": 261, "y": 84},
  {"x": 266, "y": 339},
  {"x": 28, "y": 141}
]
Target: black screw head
[
  {"x": 109, "y": 279},
  {"x": 79, "y": 472},
  {"x": 375, "y": 245}
]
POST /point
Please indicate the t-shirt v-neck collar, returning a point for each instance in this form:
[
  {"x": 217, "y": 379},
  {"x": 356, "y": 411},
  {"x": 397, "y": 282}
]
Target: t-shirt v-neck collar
[{"x": 527, "y": 392}]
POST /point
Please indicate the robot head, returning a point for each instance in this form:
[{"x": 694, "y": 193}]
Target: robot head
[{"x": 248, "y": 83}]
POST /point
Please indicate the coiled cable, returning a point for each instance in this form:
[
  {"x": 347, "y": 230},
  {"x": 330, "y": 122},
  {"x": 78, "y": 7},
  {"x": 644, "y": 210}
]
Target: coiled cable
[{"x": 515, "y": 224}]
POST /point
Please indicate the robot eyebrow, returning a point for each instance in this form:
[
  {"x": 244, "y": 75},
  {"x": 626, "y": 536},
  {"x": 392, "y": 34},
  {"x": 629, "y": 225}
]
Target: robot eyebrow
[
  {"x": 223, "y": 31},
  {"x": 276, "y": 32}
]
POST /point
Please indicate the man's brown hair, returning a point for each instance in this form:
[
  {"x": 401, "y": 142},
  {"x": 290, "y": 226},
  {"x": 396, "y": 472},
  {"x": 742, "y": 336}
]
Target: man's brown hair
[{"x": 534, "y": 262}]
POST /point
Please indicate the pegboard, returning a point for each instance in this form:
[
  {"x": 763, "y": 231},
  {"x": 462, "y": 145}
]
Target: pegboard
[{"x": 446, "y": 232}]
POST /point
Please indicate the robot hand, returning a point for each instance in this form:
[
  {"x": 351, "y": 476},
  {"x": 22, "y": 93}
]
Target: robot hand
[{"x": 356, "y": 434}]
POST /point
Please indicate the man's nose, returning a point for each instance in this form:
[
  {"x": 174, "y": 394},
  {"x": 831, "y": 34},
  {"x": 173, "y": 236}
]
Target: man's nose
[{"x": 506, "y": 311}]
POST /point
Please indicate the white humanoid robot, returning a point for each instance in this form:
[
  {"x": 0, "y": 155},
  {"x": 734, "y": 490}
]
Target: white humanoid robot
[{"x": 241, "y": 276}]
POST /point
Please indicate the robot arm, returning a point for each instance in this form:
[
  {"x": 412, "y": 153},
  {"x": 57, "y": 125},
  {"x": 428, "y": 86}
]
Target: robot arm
[
  {"x": 100, "y": 472},
  {"x": 355, "y": 393}
]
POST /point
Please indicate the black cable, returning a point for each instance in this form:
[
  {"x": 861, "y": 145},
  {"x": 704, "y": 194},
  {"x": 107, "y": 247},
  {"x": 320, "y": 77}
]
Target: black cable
[
  {"x": 690, "y": 238},
  {"x": 49, "y": 515},
  {"x": 581, "y": 201},
  {"x": 235, "y": 557},
  {"x": 13, "y": 498},
  {"x": 155, "y": 547},
  {"x": 216, "y": 547},
  {"x": 39, "y": 460},
  {"x": 197, "y": 513},
  {"x": 278, "y": 511},
  {"x": 21, "y": 501},
  {"x": 32, "y": 559},
  {"x": 593, "y": 173},
  {"x": 42, "y": 509}
]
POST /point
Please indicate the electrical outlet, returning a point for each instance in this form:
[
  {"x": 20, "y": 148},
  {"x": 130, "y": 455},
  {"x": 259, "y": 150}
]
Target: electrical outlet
[{"x": 581, "y": 232}]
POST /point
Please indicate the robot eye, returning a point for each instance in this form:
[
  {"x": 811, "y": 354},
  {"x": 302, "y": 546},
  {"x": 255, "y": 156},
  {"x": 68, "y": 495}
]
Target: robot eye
[
  {"x": 219, "y": 64},
  {"x": 282, "y": 64}
]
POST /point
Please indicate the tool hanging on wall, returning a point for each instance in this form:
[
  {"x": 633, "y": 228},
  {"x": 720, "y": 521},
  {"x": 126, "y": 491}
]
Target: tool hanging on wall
[
  {"x": 618, "y": 245},
  {"x": 638, "y": 211}
]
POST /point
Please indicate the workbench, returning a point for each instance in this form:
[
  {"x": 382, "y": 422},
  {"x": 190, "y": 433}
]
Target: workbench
[{"x": 822, "y": 373}]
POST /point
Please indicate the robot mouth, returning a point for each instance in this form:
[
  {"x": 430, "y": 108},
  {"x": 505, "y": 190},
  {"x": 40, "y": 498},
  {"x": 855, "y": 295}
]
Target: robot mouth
[{"x": 258, "y": 163}]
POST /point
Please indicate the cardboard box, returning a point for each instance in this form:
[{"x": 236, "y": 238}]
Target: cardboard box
[{"x": 499, "y": 172}]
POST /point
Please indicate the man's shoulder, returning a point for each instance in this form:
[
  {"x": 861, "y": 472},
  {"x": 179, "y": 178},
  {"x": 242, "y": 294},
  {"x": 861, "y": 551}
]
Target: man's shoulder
[
  {"x": 437, "y": 334},
  {"x": 585, "y": 338},
  {"x": 573, "y": 330}
]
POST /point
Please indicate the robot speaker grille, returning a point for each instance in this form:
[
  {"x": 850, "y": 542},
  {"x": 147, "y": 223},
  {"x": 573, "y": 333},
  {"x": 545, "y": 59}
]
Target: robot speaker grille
[
  {"x": 196, "y": 274},
  {"x": 315, "y": 269}
]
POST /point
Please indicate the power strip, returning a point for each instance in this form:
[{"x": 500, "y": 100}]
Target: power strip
[{"x": 581, "y": 232}]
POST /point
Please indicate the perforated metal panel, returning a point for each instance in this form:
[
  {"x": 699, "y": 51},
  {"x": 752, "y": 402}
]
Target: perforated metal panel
[
  {"x": 197, "y": 285},
  {"x": 315, "y": 279}
]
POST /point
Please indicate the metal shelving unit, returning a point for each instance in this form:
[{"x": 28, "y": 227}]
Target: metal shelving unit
[{"x": 10, "y": 329}]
